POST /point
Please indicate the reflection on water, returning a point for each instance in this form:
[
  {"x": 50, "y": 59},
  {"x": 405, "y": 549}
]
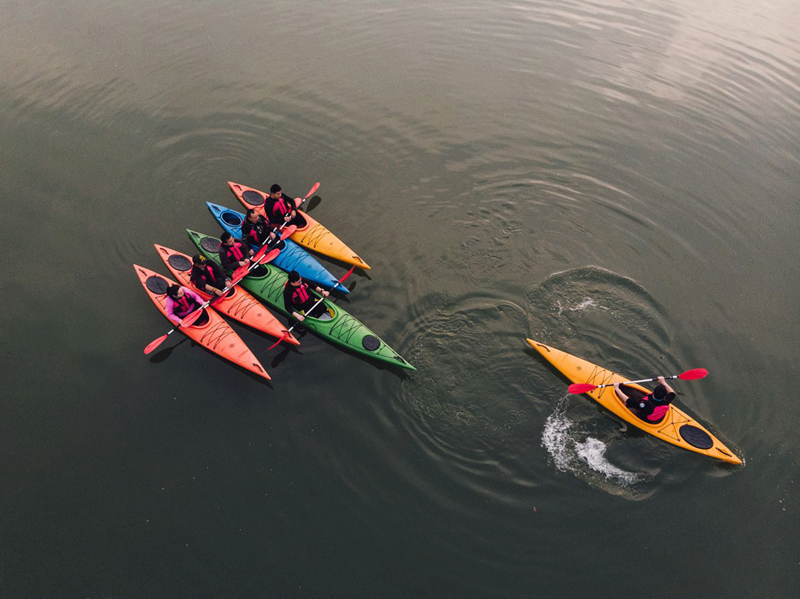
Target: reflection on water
[{"x": 618, "y": 179}]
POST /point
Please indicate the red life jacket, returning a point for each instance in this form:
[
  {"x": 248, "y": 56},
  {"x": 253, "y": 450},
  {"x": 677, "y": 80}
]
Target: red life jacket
[
  {"x": 185, "y": 305},
  {"x": 236, "y": 250},
  {"x": 658, "y": 413},
  {"x": 300, "y": 295},
  {"x": 282, "y": 206}
]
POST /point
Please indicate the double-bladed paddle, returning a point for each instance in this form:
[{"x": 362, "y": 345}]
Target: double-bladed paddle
[
  {"x": 261, "y": 257},
  {"x": 317, "y": 303},
  {"x": 689, "y": 375}
]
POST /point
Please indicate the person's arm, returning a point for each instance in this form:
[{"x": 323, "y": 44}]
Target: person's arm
[
  {"x": 663, "y": 381},
  {"x": 287, "y": 303},
  {"x": 176, "y": 320},
  {"x": 322, "y": 291},
  {"x": 193, "y": 295},
  {"x": 619, "y": 393}
]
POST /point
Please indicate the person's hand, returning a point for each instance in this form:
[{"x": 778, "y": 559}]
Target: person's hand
[
  {"x": 218, "y": 292},
  {"x": 325, "y": 293},
  {"x": 661, "y": 380},
  {"x": 616, "y": 386},
  {"x": 244, "y": 262},
  {"x": 300, "y": 317},
  {"x": 228, "y": 282},
  {"x": 180, "y": 322}
]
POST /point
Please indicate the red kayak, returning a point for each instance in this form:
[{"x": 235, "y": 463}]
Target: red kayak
[
  {"x": 238, "y": 304},
  {"x": 215, "y": 335}
]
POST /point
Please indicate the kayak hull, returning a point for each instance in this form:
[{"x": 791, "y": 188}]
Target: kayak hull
[
  {"x": 292, "y": 257},
  {"x": 342, "y": 328},
  {"x": 313, "y": 236},
  {"x": 237, "y": 304},
  {"x": 216, "y": 335},
  {"x": 677, "y": 427}
]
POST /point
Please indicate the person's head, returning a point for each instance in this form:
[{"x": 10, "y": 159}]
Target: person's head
[
  {"x": 294, "y": 278},
  {"x": 227, "y": 238},
  {"x": 252, "y": 215},
  {"x": 198, "y": 259},
  {"x": 660, "y": 393},
  {"x": 175, "y": 291},
  {"x": 275, "y": 191}
]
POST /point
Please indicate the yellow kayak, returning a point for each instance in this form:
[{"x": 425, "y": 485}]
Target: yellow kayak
[
  {"x": 677, "y": 427},
  {"x": 313, "y": 235}
]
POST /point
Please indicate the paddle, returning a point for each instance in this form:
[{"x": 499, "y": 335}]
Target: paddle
[
  {"x": 240, "y": 272},
  {"x": 317, "y": 303},
  {"x": 689, "y": 375},
  {"x": 192, "y": 317}
]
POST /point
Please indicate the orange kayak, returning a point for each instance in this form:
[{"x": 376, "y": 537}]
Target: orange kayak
[
  {"x": 216, "y": 335},
  {"x": 238, "y": 304},
  {"x": 313, "y": 235},
  {"x": 677, "y": 427}
]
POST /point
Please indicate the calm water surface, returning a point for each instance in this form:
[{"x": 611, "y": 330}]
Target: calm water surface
[{"x": 617, "y": 179}]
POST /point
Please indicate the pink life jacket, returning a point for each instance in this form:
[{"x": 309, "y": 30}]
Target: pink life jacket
[{"x": 658, "y": 413}]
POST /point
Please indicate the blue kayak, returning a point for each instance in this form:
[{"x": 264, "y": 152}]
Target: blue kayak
[{"x": 292, "y": 257}]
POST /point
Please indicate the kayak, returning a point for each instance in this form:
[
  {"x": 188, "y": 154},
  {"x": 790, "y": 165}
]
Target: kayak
[
  {"x": 313, "y": 235},
  {"x": 676, "y": 427},
  {"x": 336, "y": 325},
  {"x": 237, "y": 303},
  {"x": 292, "y": 257},
  {"x": 216, "y": 335}
]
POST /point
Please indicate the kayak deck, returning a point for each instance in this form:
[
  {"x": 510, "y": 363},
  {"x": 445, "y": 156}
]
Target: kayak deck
[
  {"x": 342, "y": 328},
  {"x": 313, "y": 235},
  {"x": 237, "y": 304},
  {"x": 677, "y": 427},
  {"x": 216, "y": 335}
]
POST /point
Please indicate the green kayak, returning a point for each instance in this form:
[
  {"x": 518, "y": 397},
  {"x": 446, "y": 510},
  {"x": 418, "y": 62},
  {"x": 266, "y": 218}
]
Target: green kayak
[{"x": 340, "y": 327}]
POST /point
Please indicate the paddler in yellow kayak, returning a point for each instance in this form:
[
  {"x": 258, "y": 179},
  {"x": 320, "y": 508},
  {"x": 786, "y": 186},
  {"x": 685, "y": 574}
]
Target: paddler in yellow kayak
[
  {"x": 281, "y": 209},
  {"x": 651, "y": 407}
]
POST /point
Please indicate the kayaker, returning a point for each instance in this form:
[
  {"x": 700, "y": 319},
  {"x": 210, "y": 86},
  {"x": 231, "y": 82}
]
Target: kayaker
[
  {"x": 233, "y": 253},
  {"x": 208, "y": 276},
  {"x": 256, "y": 230},
  {"x": 298, "y": 298},
  {"x": 281, "y": 209},
  {"x": 182, "y": 301},
  {"x": 651, "y": 407}
]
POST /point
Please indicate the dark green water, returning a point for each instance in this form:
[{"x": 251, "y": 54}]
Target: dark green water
[{"x": 620, "y": 180}]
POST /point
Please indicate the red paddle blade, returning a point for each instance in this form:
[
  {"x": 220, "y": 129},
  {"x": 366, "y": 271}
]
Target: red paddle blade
[
  {"x": 191, "y": 318},
  {"x": 155, "y": 343},
  {"x": 694, "y": 373},
  {"x": 347, "y": 274},
  {"x": 579, "y": 388},
  {"x": 239, "y": 274},
  {"x": 312, "y": 190},
  {"x": 279, "y": 341},
  {"x": 288, "y": 232},
  {"x": 271, "y": 256}
]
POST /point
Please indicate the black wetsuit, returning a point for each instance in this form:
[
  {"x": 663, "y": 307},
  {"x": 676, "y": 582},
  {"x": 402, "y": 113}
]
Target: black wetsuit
[
  {"x": 256, "y": 233},
  {"x": 301, "y": 299},
  {"x": 643, "y": 405},
  {"x": 277, "y": 209},
  {"x": 231, "y": 255},
  {"x": 209, "y": 273}
]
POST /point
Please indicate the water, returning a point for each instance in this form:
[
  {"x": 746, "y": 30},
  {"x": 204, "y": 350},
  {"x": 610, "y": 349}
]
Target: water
[{"x": 619, "y": 180}]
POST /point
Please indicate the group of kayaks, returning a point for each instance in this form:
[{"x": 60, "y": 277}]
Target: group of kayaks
[
  {"x": 242, "y": 303},
  {"x": 246, "y": 304}
]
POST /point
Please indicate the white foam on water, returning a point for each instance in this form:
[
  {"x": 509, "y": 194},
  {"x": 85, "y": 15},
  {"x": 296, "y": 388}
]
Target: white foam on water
[
  {"x": 592, "y": 451},
  {"x": 572, "y": 455}
]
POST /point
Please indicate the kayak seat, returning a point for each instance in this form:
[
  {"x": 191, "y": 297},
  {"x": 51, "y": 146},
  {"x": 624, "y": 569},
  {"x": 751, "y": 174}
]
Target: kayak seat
[{"x": 634, "y": 395}]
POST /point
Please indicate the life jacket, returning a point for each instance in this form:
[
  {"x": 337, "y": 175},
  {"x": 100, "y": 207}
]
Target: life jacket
[
  {"x": 207, "y": 273},
  {"x": 282, "y": 207},
  {"x": 659, "y": 409},
  {"x": 300, "y": 294},
  {"x": 235, "y": 249},
  {"x": 184, "y": 305}
]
